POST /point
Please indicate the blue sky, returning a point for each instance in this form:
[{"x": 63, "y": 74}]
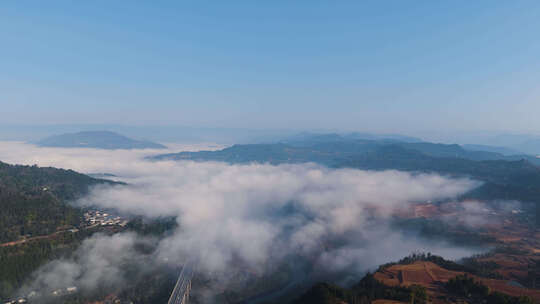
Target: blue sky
[{"x": 379, "y": 66}]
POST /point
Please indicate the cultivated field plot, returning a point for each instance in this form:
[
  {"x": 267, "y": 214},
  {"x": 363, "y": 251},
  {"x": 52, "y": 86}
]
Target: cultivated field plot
[{"x": 433, "y": 277}]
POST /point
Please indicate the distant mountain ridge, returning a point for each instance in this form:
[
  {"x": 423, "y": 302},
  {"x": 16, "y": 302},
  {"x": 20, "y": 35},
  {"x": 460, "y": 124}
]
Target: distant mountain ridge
[
  {"x": 495, "y": 149},
  {"x": 333, "y": 149},
  {"x": 505, "y": 177},
  {"x": 310, "y": 138},
  {"x": 527, "y": 143},
  {"x": 97, "y": 139}
]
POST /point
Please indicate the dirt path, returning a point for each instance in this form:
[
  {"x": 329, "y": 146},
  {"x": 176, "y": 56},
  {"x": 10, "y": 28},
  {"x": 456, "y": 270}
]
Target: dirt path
[
  {"x": 428, "y": 271},
  {"x": 34, "y": 238}
]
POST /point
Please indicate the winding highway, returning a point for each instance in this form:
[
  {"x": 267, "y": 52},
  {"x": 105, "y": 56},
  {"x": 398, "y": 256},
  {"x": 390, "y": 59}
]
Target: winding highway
[{"x": 180, "y": 293}]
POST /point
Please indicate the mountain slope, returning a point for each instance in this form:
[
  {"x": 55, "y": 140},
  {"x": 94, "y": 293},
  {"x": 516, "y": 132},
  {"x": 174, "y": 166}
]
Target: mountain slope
[
  {"x": 97, "y": 139},
  {"x": 332, "y": 149},
  {"x": 496, "y": 149},
  {"x": 422, "y": 279},
  {"x": 33, "y": 200}
]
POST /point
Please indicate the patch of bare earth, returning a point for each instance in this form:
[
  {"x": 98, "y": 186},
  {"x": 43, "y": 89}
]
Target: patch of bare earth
[{"x": 433, "y": 278}]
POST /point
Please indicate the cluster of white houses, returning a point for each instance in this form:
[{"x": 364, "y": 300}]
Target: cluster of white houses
[
  {"x": 97, "y": 217},
  {"x": 33, "y": 295}
]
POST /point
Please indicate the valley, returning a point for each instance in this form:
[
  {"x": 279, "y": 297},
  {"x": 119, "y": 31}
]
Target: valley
[{"x": 492, "y": 219}]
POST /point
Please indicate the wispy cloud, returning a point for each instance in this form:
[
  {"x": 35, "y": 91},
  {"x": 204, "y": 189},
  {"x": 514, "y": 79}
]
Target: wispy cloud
[{"x": 234, "y": 217}]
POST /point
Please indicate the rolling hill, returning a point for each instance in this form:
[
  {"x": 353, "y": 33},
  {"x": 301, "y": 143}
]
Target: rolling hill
[
  {"x": 35, "y": 219},
  {"x": 97, "y": 139},
  {"x": 33, "y": 200},
  {"x": 334, "y": 149},
  {"x": 421, "y": 279},
  {"x": 515, "y": 177}
]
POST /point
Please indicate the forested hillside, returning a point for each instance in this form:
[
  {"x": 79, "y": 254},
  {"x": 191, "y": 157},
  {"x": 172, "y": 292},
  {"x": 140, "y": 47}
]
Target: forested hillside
[
  {"x": 462, "y": 288},
  {"x": 33, "y": 200}
]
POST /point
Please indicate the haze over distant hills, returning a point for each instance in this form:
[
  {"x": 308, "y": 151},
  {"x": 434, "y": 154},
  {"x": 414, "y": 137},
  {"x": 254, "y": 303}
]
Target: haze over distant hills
[
  {"x": 310, "y": 138},
  {"x": 499, "y": 142},
  {"x": 495, "y": 149},
  {"x": 332, "y": 149},
  {"x": 97, "y": 139}
]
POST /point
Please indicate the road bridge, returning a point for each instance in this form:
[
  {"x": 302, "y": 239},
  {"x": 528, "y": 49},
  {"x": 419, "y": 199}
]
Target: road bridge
[{"x": 180, "y": 293}]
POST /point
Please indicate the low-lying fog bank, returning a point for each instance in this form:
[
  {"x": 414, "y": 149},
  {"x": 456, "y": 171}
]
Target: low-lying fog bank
[{"x": 243, "y": 217}]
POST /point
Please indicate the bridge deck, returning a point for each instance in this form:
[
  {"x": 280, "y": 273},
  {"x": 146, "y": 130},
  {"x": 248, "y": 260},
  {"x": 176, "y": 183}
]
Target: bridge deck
[{"x": 180, "y": 294}]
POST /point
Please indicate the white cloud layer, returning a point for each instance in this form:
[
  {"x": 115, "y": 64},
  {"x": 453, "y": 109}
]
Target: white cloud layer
[{"x": 254, "y": 215}]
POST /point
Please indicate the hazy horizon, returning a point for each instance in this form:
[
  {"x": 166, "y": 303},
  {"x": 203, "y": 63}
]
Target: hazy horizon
[
  {"x": 178, "y": 134},
  {"x": 410, "y": 68}
]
